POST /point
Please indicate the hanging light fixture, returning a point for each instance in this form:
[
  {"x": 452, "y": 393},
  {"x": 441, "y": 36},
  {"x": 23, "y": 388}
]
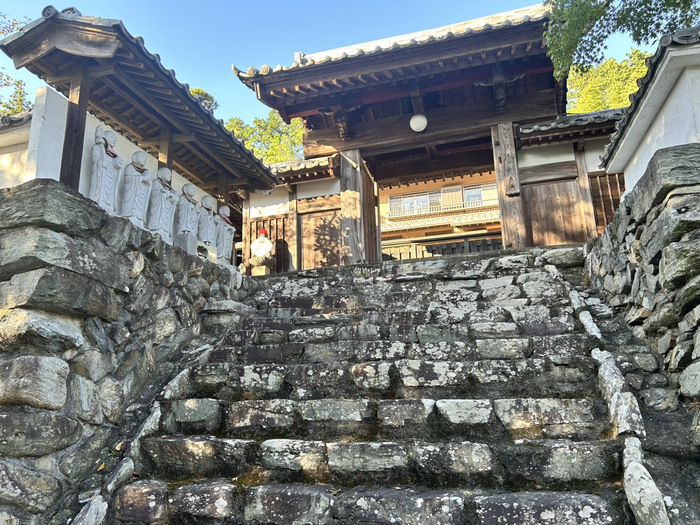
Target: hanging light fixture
[{"x": 418, "y": 122}]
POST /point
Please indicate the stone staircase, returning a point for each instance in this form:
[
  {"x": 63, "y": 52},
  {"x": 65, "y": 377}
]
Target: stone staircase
[{"x": 444, "y": 391}]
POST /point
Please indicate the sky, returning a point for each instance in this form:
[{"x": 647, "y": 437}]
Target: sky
[{"x": 201, "y": 40}]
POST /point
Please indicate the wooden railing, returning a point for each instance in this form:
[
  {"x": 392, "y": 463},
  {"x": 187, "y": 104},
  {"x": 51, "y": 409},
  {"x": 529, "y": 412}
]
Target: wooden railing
[
  {"x": 442, "y": 208},
  {"x": 417, "y": 250}
]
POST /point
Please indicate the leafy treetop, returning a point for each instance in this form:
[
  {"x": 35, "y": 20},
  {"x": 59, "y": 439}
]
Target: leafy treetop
[
  {"x": 207, "y": 100},
  {"x": 270, "y": 139},
  {"x": 607, "y": 85},
  {"x": 577, "y": 29},
  {"x": 18, "y": 101}
]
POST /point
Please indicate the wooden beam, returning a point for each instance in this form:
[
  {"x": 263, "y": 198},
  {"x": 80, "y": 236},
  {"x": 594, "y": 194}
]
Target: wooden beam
[
  {"x": 292, "y": 230},
  {"x": 165, "y": 157},
  {"x": 514, "y": 222},
  {"x": 585, "y": 201},
  {"x": 76, "y": 119},
  {"x": 447, "y": 124}
]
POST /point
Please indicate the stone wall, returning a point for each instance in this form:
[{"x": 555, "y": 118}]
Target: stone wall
[
  {"x": 647, "y": 262},
  {"x": 96, "y": 316}
]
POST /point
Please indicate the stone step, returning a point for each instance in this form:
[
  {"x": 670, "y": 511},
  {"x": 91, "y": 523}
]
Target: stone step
[
  {"x": 535, "y": 464},
  {"x": 220, "y": 501},
  {"x": 495, "y": 421},
  {"x": 536, "y": 376}
]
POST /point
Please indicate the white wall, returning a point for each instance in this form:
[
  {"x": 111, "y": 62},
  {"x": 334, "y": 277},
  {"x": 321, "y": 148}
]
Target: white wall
[
  {"x": 592, "y": 151},
  {"x": 545, "y": 155},
  {"x": 319, "y": 188},
  {"x": 277, "y": 203},
  {"x": 676, "y": 123}
]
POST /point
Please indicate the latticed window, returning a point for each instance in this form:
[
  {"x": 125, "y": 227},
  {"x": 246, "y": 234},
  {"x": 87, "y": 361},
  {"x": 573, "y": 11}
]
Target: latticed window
[{"x": 445, "y": 199}]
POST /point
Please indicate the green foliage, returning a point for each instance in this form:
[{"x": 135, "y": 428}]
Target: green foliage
[
  {"x": 207, "y": 100},
  {"x": 607, "y": 85},
  {"x": 270, "y": 139},
  {"x": 578, "y": 29},
  {"x": 18, "y": 101}
]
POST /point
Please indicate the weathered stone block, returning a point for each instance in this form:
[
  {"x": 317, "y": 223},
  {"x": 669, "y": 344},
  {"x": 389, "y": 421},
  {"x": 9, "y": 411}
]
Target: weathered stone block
[
  {"x": 290, "y": 504},
  {"x": 51, "y": 333},
  {"x": 417, "y": 373},
  {"x": 93, "y": 513},
  {"x": 275, "y": 414},
  {"x": 183, "y": 457},
  {"x": 293, "y": 454},
  {"x": 36, "y": 433},
  {"x": 679, "y": 262},
  {"x": 465, "y": 411},
  {"x": 26, "y": 488},
  {"x": 84, "y": 401},
  {"x": 266, "y": 378},
  {"x": 336, "y": 410},
  {"x": 405, "y": 506},
  {"x": 491, "y": 330},
  {"x": 504, "y": 371},
  {"x": 216, "y": 500},
  {"x": 440, "y": 351},
  {"x": 564, "y": 257},
  {"x": 689, "y": 380},
  {"x": 35, "y": 381},
  {"x": 644, "y": 497},
  {"x": 503, "y": 348},
  {"x": 404, "y": 412},
  {"x": 197, "y": 414},
  {"x": 48, "y": 203},
  {"x": 144, "y": 501},
  {"x": 365, "y": 457},
  {"x": 371, "y": 376},
  {"x": 534, "y": 412},
  {"x": 540, "y": 507},
  {"x": 312, "y": 335},
  {"x": 454, "y": 458},
  {"x": 58, "y": 290},
  {"x": 380, "y": 350}
]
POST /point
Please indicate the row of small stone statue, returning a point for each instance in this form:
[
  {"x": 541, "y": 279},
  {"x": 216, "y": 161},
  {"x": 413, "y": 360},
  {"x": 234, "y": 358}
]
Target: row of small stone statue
[{"x": 153, "y": 204}]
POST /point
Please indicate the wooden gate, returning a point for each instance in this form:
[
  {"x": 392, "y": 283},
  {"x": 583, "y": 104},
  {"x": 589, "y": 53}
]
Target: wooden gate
[
  {"x": 278, "y": 232},
  {"x": 320, "y": 234}
]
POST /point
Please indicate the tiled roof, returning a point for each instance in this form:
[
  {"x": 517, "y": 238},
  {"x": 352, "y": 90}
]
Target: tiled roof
[
  {"x": 212, "y": 133},
  {"x": 282, "y": 169},
  {"x": 680, "y": 38},
  {"x": 420, "y": 38},
  {"x": 16, "y": 119},
  {"x": 574, "y": 120}
]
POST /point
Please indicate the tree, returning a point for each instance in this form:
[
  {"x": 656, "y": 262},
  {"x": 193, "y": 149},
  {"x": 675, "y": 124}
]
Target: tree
[
  {"x": 207, "y": 100},
  {"x": 607, "y": 85},
  {"x": 270, "y": 139},
  {"x": 577, "y": 29},
  {"x": 18, "y": 101}
]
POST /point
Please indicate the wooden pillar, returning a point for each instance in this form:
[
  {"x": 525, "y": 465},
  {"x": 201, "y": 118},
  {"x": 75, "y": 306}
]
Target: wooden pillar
[
  {"x": 222, "y": 187},
  {"x": 76, "y": 118},
  {"x": 165, "y": 158},
  {"x": 585, "y": 201},
  {"x": 352, "y": 247},
  {"x": 292, "y": 231},
  {"x": 245, "y": 234},
  {"x": 514, "y": 225}
]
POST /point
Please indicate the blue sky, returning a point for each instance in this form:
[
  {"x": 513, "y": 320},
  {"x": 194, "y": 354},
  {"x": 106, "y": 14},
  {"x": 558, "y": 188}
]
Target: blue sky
[{"x": 201, "y": 40}]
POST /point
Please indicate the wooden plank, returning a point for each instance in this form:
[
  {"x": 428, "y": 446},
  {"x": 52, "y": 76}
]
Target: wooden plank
[
  {"x": 319, "y": 235},
  {"x": 585, "y": 203},
  {"x": 165, "y": 154},
  {"x": 445, "y": 124},
  {"x": 548, "y": 172},
  {"x": 246, "y": 234},
  {"x": 316, "y": 204},
  {"x": 514, "y": 221},
  {"x": 76, "y": 119},
  {"x": 352, "y": 246}
]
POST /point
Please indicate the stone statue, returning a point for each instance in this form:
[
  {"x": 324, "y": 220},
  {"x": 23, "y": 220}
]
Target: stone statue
[
  {"x": 206, "y": 229},
  {"x": 106, "y": 166},
  {"x": 136, "y": 189},
  {"x": 161, "y": 206},
  {"x": 261, "y": 258},
  {"x": 224, "y": 234},
  {"x": 186, "y": 214}
]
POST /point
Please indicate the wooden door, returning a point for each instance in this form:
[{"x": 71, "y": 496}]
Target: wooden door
[
  {"x": 553, "y": 212},
  {"x": 320, "y": 234}
]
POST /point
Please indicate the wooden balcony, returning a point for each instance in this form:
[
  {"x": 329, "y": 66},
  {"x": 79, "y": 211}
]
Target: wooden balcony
[{"x": 457, "y": 214}]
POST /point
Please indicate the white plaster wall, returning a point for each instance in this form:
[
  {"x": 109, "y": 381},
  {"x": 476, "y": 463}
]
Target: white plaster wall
[
  {"x": 545, "y": 155},
  {"x": 319, "y": 188},
  {"x": 13, "y": 164},
  {"x": 676, "y": 123},
  {"x": 277, "y": 203},
  {"x": 592, "y": 151}
]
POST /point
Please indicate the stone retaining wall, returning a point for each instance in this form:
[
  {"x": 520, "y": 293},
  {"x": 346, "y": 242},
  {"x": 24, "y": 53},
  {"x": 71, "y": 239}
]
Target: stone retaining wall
[
  {"x": 96, "y": 316},
  {"x": 647, "y": 262}
]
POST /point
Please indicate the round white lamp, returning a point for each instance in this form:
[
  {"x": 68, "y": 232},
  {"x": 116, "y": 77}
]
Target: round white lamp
[{"x": 418, "y": 122}]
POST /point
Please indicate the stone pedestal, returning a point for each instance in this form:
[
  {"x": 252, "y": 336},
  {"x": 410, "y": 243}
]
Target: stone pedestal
[
  {"x": 187, "y": 242},
  {"x": 259, "y": 270}
]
